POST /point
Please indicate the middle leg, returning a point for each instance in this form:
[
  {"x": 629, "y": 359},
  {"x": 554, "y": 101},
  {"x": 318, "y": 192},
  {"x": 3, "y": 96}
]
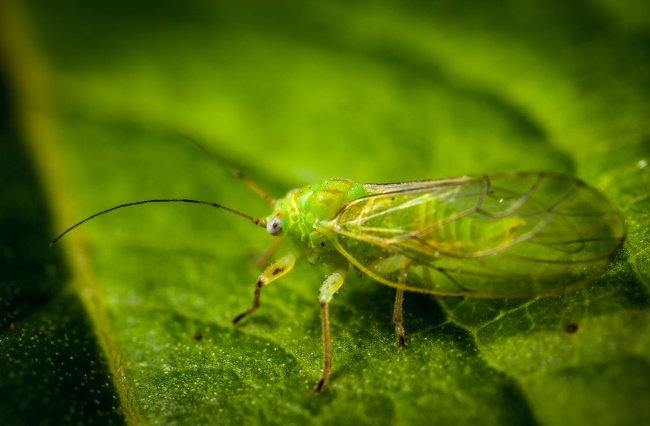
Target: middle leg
[{"x": 327, "y": 290}]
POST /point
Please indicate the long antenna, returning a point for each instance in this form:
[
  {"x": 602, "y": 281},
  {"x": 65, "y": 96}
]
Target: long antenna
[
  {"x": 257, "y": 221},
  {"x": 232, "y": 169}
]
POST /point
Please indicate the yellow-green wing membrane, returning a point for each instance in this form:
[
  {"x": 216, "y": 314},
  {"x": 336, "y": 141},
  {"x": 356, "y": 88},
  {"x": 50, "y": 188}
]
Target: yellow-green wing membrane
[{"x": 506, "y": 235}]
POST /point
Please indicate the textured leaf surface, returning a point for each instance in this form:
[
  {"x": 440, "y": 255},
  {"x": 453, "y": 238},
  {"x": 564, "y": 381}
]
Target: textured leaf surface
[{"x": 128, "y": 319}]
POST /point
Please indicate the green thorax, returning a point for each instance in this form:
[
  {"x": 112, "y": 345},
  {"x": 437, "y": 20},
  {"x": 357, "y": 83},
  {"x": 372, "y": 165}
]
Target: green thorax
[{"x": 304, "y": 212}]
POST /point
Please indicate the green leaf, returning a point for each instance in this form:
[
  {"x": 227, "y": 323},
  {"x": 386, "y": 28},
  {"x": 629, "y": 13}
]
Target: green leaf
[{"x": 127, "y": 319}]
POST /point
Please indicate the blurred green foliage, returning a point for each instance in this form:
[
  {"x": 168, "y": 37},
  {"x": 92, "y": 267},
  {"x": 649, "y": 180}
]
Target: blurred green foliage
[{"x": 96, "y": 97}]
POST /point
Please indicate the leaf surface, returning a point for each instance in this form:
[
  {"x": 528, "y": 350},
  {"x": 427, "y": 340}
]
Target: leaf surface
[{"x": 127, "y": 319}]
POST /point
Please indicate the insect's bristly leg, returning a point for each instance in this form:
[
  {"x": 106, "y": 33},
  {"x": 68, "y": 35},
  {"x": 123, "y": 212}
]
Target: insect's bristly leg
[
  {"x": 270, "y": 274},
  {"x": 398, "y": 315},
  {"x": 398, "y": 318},
  {"x": 264, "y": 259},
  {"x": 327, "y": 290}
]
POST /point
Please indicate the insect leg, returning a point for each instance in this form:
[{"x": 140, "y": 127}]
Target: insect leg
[
  {"x": 390, "y": 264},
  {"x": 327, "y": 290},
  {"x": 398, "y": 317},
  {"x": 270, "y": 274},
  {"x": 265, "y": 257}
]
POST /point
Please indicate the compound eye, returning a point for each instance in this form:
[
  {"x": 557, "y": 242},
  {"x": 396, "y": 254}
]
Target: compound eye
[{"x": 274, "y": 227}]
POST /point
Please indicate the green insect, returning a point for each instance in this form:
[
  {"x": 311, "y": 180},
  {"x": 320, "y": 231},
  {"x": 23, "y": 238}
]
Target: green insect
[{"x": 514, "y": 234}]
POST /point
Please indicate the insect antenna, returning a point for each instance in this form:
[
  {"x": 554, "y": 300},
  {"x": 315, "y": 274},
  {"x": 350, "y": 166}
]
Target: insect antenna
[
  {"x": 257, "y": 221},
  {"x": 232, "y": 169}
]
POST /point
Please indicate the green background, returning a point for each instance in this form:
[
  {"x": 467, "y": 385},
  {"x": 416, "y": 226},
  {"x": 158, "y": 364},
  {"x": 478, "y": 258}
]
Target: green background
[{"x": 95, "y": 99}]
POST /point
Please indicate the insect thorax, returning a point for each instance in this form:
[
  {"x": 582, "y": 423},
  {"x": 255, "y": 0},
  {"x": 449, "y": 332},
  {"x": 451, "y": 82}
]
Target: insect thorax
[{"x": 306, "y": 210}]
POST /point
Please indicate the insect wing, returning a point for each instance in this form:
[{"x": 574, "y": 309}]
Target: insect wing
[{"x": 507, "y": 235}]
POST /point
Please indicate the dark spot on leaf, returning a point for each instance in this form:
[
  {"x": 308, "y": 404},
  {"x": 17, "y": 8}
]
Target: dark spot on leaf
[
  {"x": 571, "y": 328},
  {"x": 197, "y": 336},
  {"x": 276, "y": 271},
  {"x": 322, "y": 244}
]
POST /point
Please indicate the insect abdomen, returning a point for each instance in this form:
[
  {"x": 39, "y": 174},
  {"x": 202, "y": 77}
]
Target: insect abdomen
[
  {"x": 431, "y": 225},
  {"x": 509, "y": 235}
]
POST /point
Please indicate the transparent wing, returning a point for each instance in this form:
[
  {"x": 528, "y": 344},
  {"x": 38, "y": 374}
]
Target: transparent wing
[{"x": 506, "y": 235}]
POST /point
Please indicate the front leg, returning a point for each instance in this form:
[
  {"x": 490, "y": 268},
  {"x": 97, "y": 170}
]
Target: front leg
[
  {"x": 270, "y": 274},
  {"x": 327, "y": 290}
]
